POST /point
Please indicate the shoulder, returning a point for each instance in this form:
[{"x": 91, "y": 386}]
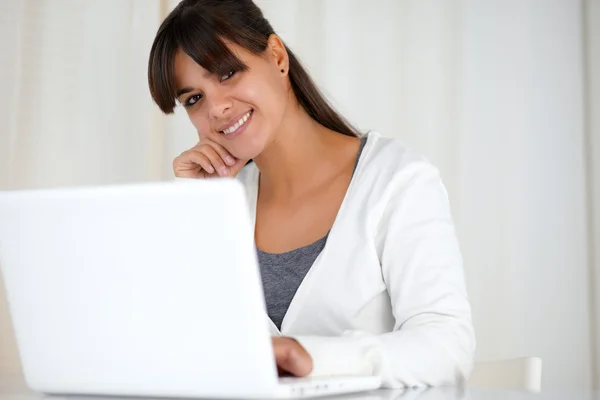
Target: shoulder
[
  {"x": 403, "y": 192},
  {"x": 389, "y": 165}
]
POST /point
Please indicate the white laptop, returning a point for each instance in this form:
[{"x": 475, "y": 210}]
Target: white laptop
[{"x": 143, "y": 290}]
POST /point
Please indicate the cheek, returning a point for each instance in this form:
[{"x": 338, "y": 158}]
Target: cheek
[
  {"x": 200, "y": 122},
  {"x": 267, "y": 95}
]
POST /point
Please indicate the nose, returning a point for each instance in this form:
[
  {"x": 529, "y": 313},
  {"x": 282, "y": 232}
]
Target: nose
[{"x": 220, "y": 105}]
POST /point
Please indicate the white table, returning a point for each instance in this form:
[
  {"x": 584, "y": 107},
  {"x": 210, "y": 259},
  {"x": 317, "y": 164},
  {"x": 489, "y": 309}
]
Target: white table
[
  {"x": 12, "y": 387},
  {"x": 18, "y": 392}
]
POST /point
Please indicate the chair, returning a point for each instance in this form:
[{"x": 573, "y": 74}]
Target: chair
[{"x": 517, "y": 373}]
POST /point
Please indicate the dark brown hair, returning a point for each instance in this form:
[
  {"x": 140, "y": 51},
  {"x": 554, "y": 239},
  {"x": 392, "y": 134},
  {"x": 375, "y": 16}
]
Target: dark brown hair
[{"x": 200, "y": 29}]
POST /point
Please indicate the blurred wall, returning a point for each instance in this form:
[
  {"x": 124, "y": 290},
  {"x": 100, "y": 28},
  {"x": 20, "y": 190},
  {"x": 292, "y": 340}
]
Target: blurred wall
[
  {"x": 592, "y": 45},
  {"x": 491, "y": 91}
]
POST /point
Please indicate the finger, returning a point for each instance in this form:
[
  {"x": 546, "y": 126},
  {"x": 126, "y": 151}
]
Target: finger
[
  {"x": 223, "y": 153},
  {"x": 281, "y": 373},
  {"x": 292, "y": 358},
  {"x": 294, "y": 362},
  {"x": 215, "y": 159},
  {"x": 194, "y": 160},
  {"x": 185, "y": 169}
]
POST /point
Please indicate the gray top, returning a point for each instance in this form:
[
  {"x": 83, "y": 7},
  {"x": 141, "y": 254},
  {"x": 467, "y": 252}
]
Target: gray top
[{"x": 282, "y": 273}]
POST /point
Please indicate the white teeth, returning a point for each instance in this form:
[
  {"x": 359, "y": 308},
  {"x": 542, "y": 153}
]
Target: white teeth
[{"x": 235, "y": 126}]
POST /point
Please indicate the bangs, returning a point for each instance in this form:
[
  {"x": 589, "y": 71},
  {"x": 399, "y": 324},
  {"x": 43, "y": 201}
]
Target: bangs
[{"x": 198, "y": 38}]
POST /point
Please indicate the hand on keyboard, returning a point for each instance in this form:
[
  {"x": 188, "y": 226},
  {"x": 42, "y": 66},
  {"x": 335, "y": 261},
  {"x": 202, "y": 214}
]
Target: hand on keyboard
[{"x": 291, "y": 357}]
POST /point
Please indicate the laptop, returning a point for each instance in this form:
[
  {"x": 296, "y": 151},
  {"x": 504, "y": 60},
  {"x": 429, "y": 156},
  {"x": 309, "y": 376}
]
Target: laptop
[{"x": 143, "y": 290}]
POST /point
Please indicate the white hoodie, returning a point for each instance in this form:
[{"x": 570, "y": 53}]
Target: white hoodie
[{"x": 387, "y": 294}]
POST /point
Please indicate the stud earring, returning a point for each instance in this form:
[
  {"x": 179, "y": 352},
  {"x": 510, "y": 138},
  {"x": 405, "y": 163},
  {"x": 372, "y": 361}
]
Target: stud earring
[{"x": 282, "y": 71}]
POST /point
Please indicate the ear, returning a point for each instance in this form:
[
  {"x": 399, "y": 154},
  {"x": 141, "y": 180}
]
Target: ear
[{"x": 277, "y": 52}]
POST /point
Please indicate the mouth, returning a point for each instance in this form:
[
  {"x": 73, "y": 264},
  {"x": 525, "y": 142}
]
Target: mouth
[{"x": 239, "y": 126}]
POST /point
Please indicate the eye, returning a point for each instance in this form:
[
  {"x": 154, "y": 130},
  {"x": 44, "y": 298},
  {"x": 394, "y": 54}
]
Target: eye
[
  {"x": 192, "y": 100},
  {"x": 227, "y": 76}
]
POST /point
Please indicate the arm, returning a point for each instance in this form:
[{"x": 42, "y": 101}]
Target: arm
[{"x": 432, "y": 343}]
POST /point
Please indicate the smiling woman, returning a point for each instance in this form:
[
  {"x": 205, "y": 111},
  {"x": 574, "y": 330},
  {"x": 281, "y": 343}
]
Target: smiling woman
[
  {"x": 358, "y": 254},
  {"x": 201, "y": 50}
]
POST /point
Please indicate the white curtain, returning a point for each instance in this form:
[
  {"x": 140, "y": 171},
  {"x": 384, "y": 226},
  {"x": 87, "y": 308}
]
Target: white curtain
[
  {"x": 491, "y": 91},
  {"x": 592, "y": 84}
]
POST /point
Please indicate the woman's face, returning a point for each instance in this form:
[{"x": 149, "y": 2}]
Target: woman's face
[{"x": 241, "y": 111}]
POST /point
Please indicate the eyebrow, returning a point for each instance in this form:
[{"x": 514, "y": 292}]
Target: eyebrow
[
  {"x": 188, "y": 89},
  {"x": 183, "y": 91}
]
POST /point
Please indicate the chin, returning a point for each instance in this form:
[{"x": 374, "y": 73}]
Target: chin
[
  {"x": 246, "y": 155},
  {"x": 247, "y": 150}
]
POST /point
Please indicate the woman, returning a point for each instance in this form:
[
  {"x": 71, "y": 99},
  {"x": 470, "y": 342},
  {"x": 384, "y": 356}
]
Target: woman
[{"x": 359, "y": 259}]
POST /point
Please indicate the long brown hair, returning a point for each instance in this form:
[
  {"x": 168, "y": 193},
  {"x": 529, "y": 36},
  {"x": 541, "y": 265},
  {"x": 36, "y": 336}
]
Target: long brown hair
[{"x": 200, "y": 27}]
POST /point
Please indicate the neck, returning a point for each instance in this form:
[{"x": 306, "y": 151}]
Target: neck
[{"x": 302, "y": 154}]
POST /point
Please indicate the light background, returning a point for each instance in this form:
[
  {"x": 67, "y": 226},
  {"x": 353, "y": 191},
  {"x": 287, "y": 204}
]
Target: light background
[{"x": 503, "y": 96}]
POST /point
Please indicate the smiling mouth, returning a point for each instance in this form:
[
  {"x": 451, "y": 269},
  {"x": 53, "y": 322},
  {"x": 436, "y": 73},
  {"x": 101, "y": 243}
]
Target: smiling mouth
[{"x": 233, "y": 128}]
